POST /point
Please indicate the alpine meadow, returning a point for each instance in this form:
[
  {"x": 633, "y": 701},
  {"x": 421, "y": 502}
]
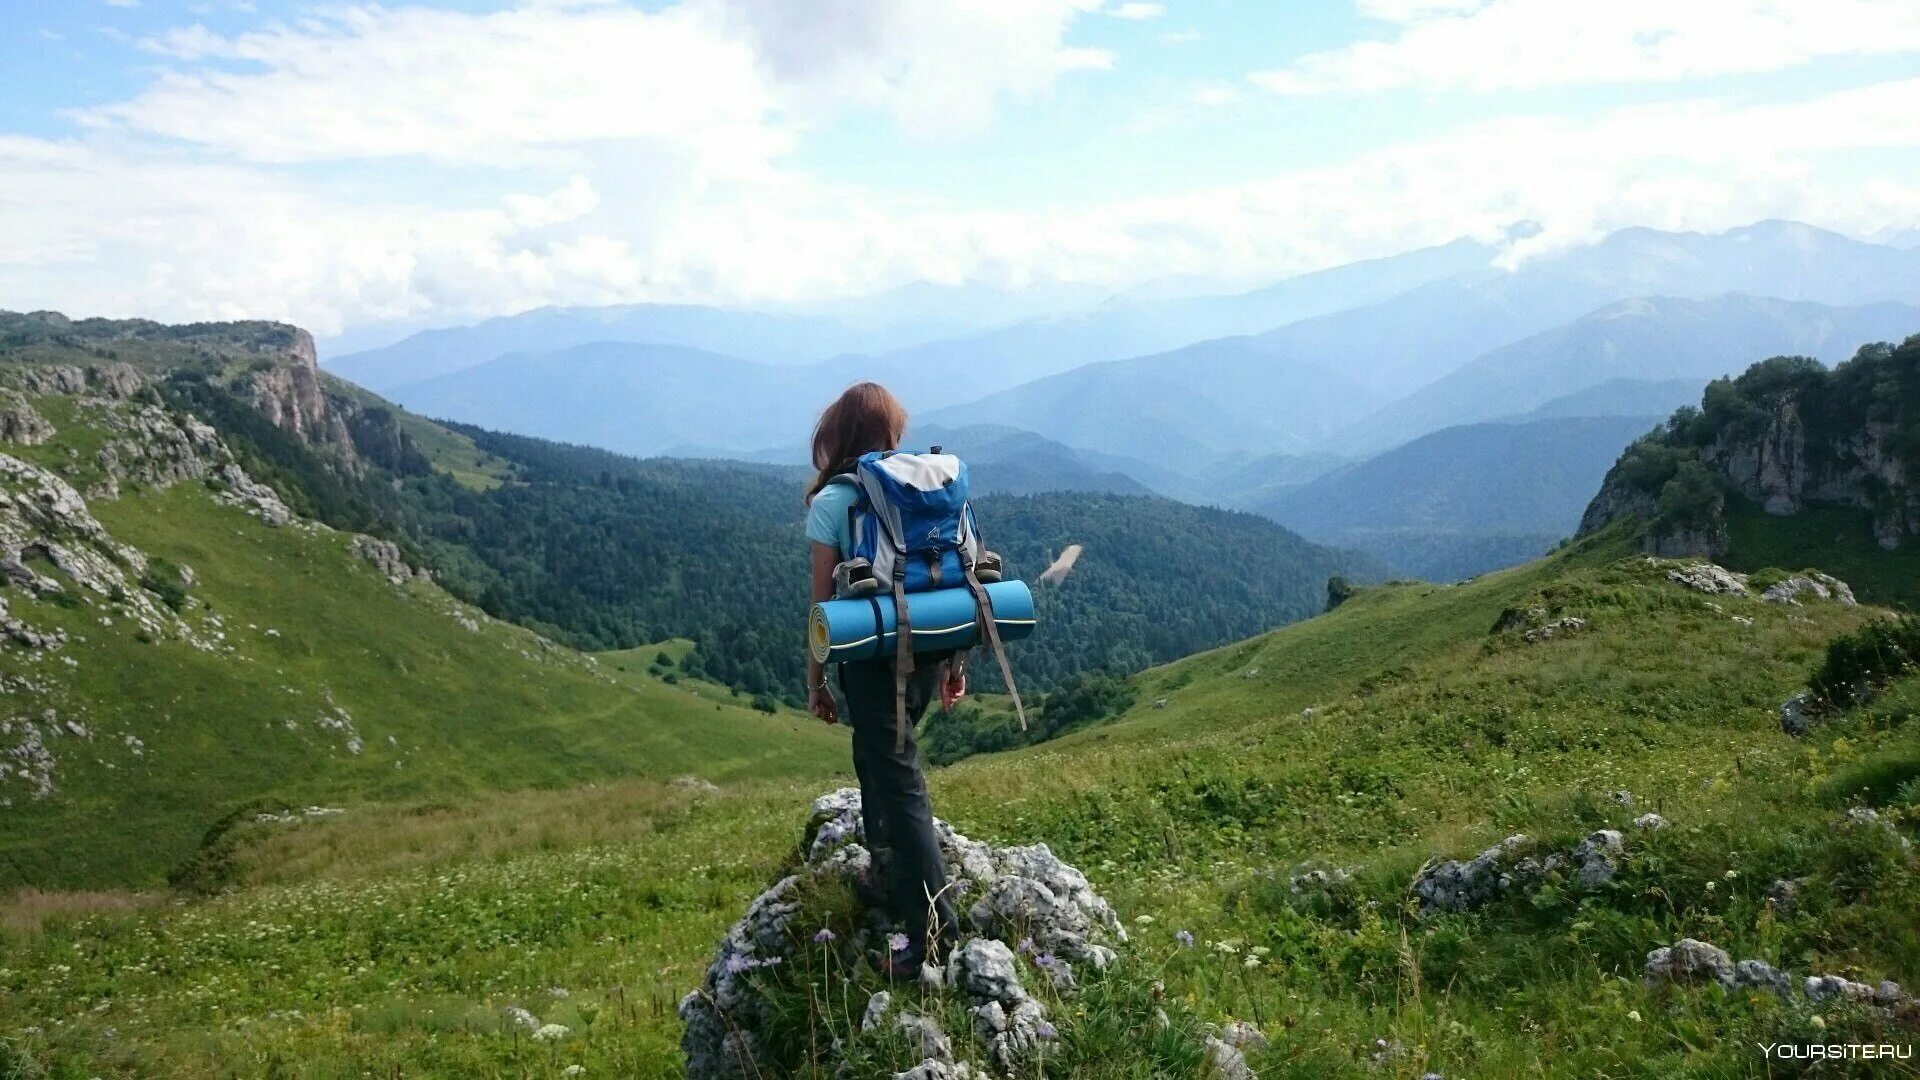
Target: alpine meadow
[{"x": 959, "y": 540}]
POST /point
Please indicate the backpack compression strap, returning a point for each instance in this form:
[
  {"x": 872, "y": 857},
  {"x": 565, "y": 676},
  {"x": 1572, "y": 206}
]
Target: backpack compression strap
[
  {"x": 902, "y": 662},
  {"x": 984, "y": 605}
]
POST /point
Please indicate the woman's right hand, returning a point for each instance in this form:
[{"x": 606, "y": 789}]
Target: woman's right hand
[{"x": 821, "y": 704}]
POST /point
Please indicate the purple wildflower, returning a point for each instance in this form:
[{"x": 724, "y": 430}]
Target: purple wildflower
[
  {"x": 897, "y": 942},
  {"x": 1046, "y": 1032},
  {"x": 1026, "y": 945},
  {"x": 739, "y": 963},
  {"x": 825, "y": 935},
  {"x": 1184, "y": 938},
  {"x": 1045, "y": 960},
  {"x": 961, "y": 886}
]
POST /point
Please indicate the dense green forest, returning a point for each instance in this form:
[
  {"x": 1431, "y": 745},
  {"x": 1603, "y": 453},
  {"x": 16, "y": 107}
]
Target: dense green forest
[{"x": 609, "y": 552}]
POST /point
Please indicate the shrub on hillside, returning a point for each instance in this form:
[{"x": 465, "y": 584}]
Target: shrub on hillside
[{"x": 1861, "y": 661}]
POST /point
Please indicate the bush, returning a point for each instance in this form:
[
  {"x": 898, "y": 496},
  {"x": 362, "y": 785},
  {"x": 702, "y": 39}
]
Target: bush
[
  {"x": 1339, "y": 591},
  {"x": 162, "y": 579},
  {"x": 1692, "y": 498},
  {"x": 1860, "y": 662}
]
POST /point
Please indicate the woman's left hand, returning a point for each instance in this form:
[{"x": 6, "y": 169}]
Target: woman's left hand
[{"x": 954, "y": 686}]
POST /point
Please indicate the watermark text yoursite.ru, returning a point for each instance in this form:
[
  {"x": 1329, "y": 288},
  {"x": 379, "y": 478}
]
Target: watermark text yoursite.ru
[{"x": 1836, "y": 1051}]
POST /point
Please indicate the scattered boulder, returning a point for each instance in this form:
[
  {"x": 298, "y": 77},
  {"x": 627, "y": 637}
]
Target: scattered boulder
[
  {"x": 1866, "y": 817},
  {"x": 1621, "y": 797},
  {"x": 1760, "y": 975},
  {"x": 693, "y": 783},
  {"x": 1709, "y": 578},
  {"x": 1227, "y": 1062},
  {"x": 1815, "y": 584},
  {"x": 1797, "y": 713},
  {"x": 1650, "y": 821},
  {"x": 1025, "y": 894},
  {"x": 1692, "y": 962},
  {"x": 1241, "y": 1035},
  {"x": 1689, "y": 961},
  {"x": 386, "y": 558},
  {"x": 936, "y": 1069},
  {"x": 1594, "y": 856},
  {"x": 1462, "y": 886},
  {"x": 1557, "y": 628},
  {"x": 1831, "y": 987},
  {"x": 1519, "y": 618},
  {"x": 1784, "y": 894}
]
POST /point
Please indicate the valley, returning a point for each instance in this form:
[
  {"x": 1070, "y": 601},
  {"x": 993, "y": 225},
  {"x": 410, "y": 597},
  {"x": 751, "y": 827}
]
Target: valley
[
  {"x": 339, "y": 739},
  {"x": 1181, "y": 397}
]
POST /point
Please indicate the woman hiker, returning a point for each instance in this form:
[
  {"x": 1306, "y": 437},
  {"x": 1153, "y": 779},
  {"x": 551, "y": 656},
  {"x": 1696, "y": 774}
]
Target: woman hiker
[{"x": 897, "y": 816}]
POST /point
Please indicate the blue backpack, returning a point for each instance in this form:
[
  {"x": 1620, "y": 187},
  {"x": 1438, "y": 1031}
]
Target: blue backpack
[{"x": 912, "y": 530}]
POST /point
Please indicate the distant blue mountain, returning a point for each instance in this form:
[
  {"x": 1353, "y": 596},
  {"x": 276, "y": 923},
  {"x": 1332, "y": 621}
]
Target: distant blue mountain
[{"x": 1645, "y": 338}]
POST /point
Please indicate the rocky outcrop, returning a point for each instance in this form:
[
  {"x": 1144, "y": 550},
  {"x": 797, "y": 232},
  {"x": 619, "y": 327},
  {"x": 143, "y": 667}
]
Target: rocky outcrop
[
  {"x": 1813, "y": 585},
  {"x": 1557, "y": 628},
  {"x": 386, "y": 557},
  {"x": 1691, "y": 962},
  {"x": 114, "y": 382},
  {"x": 289, "y": 394},
  {"x": 1033, "y": 919},
  {"x": 1513, "y": 866},
  {"x": 1709, "y": 578},
  {"x": 20, "y": 423},
  {"x": 154, "y": 448},
  {"x": 1786, "y": 436},
  {"x": 1798, "y": 713},
  {"x": 249, "y": 494},
  {"x": 1456, "y": 886}
]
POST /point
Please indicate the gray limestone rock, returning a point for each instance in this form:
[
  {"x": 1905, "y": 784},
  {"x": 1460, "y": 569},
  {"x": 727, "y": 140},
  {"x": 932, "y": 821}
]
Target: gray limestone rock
[{"x": 1688, "y": 961}]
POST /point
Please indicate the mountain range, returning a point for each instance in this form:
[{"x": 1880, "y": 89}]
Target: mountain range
[{"x": 1229, "y": 400}]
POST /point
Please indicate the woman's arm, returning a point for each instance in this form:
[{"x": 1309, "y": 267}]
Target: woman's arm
[{"x": 820, "y": 699}]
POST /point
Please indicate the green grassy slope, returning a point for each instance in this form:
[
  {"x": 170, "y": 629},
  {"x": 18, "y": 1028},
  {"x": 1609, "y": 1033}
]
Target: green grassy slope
[
  {"x": 311, "y": 632},
  {"x": 1838, "y": 539},
  {"x": 397, "y": 936}
]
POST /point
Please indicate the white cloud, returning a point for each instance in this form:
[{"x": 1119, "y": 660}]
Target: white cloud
[
  {"x": 1487, "y": 45},
  {"x": 123, "y": 3},
  {"x": 1180, "y": 37},
  {"x": 1214, "y": 95},
  {"x": 193, "y": 240},
  {"x": 940, "y": 66},
  {"x": 587, "y": 154},
  {"x": 1137, "y": 10}
]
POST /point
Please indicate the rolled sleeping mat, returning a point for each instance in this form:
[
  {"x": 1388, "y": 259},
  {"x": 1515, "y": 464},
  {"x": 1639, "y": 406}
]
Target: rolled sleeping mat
[{"x": 842, "y": 630}]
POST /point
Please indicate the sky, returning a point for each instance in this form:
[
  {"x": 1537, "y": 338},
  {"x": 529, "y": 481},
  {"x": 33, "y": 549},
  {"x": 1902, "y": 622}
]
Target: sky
[{"x": 353, "y": 167}]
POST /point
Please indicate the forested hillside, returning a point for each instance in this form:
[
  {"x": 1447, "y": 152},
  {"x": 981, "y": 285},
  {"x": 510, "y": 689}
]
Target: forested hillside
[
  {"x": 614, "y": 551},
  {"x": 608, "y": 552}
]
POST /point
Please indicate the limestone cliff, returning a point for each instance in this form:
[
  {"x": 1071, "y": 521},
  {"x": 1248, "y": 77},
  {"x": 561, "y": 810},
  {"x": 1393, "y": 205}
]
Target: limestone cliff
[{"x": 1785, "y": 436}]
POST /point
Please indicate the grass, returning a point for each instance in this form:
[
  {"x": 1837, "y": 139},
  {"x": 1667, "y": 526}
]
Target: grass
[
  {"x": 510, "y": 833},
  {"x": 391, "y": 937},
  {"x": 1836, "y": 539},
  {"x": 308, "y": 633}
]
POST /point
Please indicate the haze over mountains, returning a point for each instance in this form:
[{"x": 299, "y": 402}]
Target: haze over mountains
[{"x": 1194, "y": 396}]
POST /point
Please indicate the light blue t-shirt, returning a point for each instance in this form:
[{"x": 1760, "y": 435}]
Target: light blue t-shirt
[{"x": 827, "y": 517}]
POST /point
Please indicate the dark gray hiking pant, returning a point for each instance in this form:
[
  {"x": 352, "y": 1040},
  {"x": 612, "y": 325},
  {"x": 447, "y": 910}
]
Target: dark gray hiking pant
[{"x": 893, "y": 795}]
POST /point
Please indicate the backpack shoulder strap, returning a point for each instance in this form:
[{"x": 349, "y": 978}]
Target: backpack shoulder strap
[{"x": 990, "y": 629}]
